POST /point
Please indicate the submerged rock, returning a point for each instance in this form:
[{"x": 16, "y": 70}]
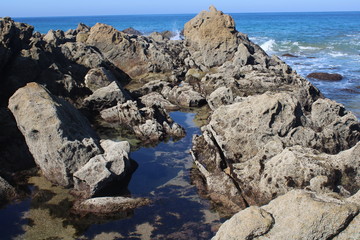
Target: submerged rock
[
  {"x": 58, "y": 136},
  {"x": 325, "y": 76},
  {"x": 107, "y": 205}
]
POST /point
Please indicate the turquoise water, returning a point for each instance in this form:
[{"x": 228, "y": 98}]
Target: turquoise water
[{"x": 327, "y": 42}]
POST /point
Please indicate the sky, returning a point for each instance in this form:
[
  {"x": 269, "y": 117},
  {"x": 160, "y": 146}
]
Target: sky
[{"x": 38, "y": 8}]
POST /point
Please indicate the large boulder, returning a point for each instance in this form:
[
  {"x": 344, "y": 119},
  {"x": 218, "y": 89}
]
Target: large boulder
[
  {"x": 296, "y": 215},
  {"x": 213, "y": 36},
  {"x": 58, "y": 136},
  {"x": 101, "y": 170}
]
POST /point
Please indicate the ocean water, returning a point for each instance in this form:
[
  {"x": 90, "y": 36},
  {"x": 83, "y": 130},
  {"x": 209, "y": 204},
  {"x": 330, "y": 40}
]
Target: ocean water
[{"x": 326, "y": 42}]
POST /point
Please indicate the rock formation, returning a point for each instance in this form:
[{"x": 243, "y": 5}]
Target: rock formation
[
  {"x": 59, "y": 137},
  {"x": 296, "y": 215}
]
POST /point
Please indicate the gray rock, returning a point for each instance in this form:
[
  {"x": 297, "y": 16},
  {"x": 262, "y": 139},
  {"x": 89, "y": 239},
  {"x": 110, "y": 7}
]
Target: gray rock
[
  {"x": 98, "y": 78},
  {"x": 155, "y": 98},
  {"x": 184, "y": 96},
  {"x": 148, "y": 123},
  {"x": 296, "y": 215},
  {"x": 268, "y": 142},
  {"x": 58, "y": 136},
  {"x": 247, "y": 224},
  {"x": 106, "y": 205},
  {"x": 55, "y": 38},
  {"x": 106, "y": 97},
  {"x": 99, "y": 171},
  {"x": 221, "y": 96}
]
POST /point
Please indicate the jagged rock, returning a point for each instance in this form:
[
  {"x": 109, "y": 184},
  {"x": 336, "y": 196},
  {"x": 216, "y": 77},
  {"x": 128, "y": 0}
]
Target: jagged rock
[
  {"x": 106, "y": 205},
  {"x": 184, "y": 96},
  {"x": 149, "y": 124},
  {"x": 58, "y": 136},
  {"x": 221, "y": 96},
  {"x": 98, "y": 78},
  {"x": 296, "y": 215},
  {"x": 157, "y": 99},
  {"x": 55, "y": 37},
  {"x": 131, "y": 31},
  {"x": 106, "y": 97},
  {"x": 211, "y": 35},
  {"x": 99, "y": 171},
  {"x": 135, "y": 55},
  {"x": 7, "y": 192},
  {"x": 325, "y": 76},
  {"x": 249, "y": 137},
  {"x": 82, "y": 33},
  {"x": 150, "y": 87}
]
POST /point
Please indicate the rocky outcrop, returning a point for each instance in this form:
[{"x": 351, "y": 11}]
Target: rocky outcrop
[
  {"x": 184, "y": 96},
  {"x": 131, "y": 31},
  {"x": 210, "y": 31},
  {"x": 145, "y": 56},
  {"x": 99, "y": 171},
  {"x": 296, "y": 215},
  {"x": 269, "y": 126},
  {"x": 253, "y": 138},
  {"x": 325, "y": 76},
  {"x": 149, "y": 123},
  {"x": 58, "y": 136}
]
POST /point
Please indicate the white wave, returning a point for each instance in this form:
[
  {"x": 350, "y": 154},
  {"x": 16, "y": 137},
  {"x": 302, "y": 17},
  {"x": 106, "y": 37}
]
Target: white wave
[
  {"x": 269, "y": 45},
  {"x": 338, "y": 54},
  {"x": 308, "y": 48},
  {"x": 177, "y": 35}
]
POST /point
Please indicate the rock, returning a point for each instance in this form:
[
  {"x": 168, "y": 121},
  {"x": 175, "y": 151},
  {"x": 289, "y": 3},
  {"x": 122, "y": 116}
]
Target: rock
[
  {"x": 289, "y": 55},
  {"x": 135, "y": 55},
  {"x": 106, "y": 205},
  {"x": 211, "y": 34},
  {"x": 250, "y": 138},
  {"x": 148, "y": 124},
  {"x": 157, "y": 99},
  {"x": 99, "y": 171},
  {"x": 131, "y": 31},
  {"x": 106, "y": 97},
  {"x": 247, "y": 224},
  {"x": 184, "y": 96},
  {"x": 163, "y": 36},
  {"x": 55, "y": 37},
  {"x": 98, "y": 78},
  {"x": 325, "y": 76},
  {"x": 221, "y": 96},
  {"x": 310, "y": 215},
  {"x": 58, "y": 136},
  {"x": 7, "y": 192}
]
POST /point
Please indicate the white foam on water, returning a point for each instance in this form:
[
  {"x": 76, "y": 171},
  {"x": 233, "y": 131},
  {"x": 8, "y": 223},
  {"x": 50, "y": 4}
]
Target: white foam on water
[
  {"x": 177, "y": 35},
  {"x": 268, "y": 46},
  {"x": 337, "y": 54}
]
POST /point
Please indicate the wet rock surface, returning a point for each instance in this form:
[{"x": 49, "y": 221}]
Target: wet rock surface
[{"x": 326, "y": 76}]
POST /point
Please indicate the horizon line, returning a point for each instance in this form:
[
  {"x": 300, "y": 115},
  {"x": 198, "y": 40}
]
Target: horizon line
[{"x": 149, "y": 14}]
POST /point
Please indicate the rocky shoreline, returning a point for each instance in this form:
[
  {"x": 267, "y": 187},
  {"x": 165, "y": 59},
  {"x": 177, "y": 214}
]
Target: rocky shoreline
[{"x": 271, "y": 137}]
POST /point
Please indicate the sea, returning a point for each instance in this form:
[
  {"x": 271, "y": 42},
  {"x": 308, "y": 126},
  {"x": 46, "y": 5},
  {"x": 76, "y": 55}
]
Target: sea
[{"x": 322, "y": 42}]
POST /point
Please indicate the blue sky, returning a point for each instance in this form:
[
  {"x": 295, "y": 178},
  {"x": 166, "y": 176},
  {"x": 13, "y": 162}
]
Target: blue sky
[{"x": 33, "y": 8}]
